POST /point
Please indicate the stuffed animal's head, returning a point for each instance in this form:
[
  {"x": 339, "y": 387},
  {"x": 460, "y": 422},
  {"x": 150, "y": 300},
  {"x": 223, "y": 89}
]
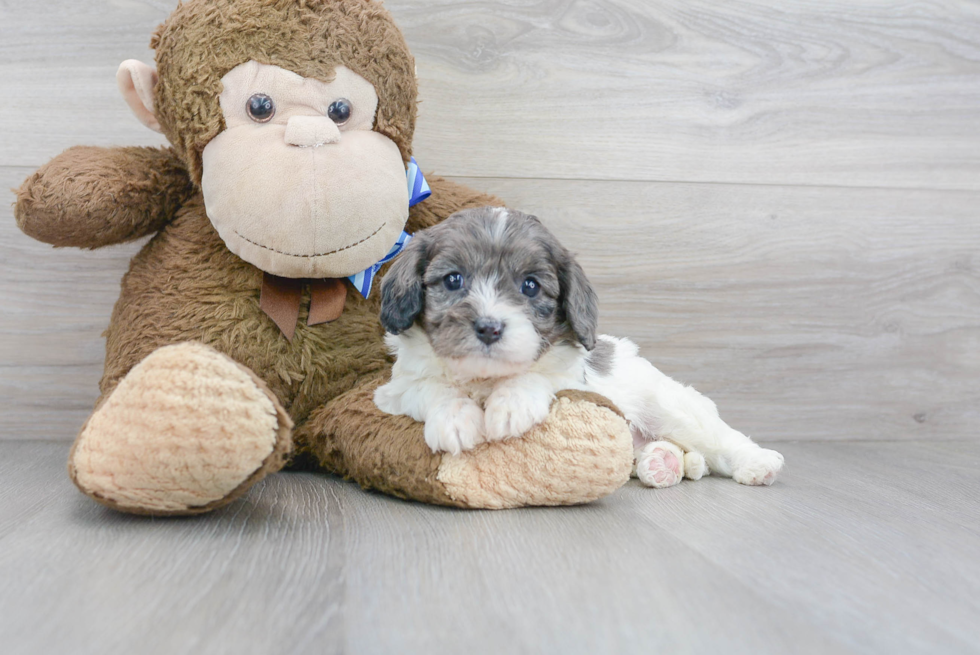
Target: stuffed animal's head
[{"x": 295, "y": 118}]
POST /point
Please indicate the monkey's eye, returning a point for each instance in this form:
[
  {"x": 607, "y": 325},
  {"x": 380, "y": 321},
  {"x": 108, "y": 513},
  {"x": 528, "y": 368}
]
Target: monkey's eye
[
  {"x": 339, "y": 111},
  {"x": 453, "y": 281},
  {"x": 260, "y": 108},
  {"x": 530, "y": 287}
]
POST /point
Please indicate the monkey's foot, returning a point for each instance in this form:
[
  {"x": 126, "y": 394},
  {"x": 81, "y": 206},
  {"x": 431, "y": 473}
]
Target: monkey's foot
[{"x": 187, "y": 430}]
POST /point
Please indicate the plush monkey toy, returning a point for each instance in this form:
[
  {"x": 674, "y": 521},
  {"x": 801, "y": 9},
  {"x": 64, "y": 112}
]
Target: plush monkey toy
[{"x": 242, "y": 340}]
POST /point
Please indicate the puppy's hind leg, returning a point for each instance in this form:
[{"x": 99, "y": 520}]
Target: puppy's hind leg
[
  {"x": 659, "y": 407},
  {"x": 691, "y": 420}
]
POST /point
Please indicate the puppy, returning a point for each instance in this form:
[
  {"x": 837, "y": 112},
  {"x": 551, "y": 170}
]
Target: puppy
[{"x": 489, "y": 316}]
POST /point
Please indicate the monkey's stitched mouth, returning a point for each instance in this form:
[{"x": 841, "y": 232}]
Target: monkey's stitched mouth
[{"x": 322, "y": 254}]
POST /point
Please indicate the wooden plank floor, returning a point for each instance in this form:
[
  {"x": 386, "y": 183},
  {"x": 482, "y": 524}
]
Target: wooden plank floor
[{"x": 860, "y": 548}]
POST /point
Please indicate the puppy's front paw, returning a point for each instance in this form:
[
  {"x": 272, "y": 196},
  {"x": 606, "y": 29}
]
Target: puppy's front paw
[
  {"x": 387, "y": 399},
  {"x": 510, "y": 412},
  {"x": 757, "y": 466},
  {"x": 454, "y": 426}
]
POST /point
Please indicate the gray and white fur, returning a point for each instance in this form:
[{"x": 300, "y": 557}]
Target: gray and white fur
[{"x": 489, "y": 316}]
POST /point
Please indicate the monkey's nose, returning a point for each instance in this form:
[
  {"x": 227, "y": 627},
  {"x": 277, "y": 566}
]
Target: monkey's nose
[
  {"x": 488, "y": 330},
  {"x": 311, "y": 131}
]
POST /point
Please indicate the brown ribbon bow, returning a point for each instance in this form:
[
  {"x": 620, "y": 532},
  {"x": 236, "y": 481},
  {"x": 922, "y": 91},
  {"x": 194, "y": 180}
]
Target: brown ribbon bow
[{"x": 281, "y": 298}]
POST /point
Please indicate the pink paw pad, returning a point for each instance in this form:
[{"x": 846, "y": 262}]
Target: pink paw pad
[{"x": 664, "y": 466}]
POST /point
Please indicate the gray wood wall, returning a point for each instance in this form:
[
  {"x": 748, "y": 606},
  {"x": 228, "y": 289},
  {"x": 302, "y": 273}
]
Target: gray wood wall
[{"x": 779, "y": 201}]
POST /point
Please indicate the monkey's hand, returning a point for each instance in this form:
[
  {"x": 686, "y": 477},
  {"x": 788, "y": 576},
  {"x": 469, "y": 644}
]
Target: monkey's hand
[{"x": 90, "y": 197}]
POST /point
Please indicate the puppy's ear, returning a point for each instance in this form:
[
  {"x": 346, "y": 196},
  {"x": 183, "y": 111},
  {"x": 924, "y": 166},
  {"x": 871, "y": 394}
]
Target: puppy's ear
[
  {"x": 402, "y": 293},
  {"x": 578, "y": 300}
]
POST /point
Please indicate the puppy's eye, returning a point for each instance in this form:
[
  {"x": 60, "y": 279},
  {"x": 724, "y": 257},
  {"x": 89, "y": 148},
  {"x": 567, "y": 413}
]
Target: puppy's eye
[
  {"x": 453, "y": 281},
  {"x": 339, "y": 111},
  {"x": 530, "y": 287},
  {"x": 260, "y": 108}
]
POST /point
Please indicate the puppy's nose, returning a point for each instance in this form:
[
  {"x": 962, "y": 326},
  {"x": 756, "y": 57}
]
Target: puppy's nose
[
  {"x": 488, "y": 330},
  {"x": 311, "y": 131}
]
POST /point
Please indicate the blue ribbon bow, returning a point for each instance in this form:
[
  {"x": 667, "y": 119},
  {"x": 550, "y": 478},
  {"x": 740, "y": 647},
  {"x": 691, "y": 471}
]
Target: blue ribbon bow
[
  {"x": 362, "y": 281},
  {"x": 418, "y": 190}
]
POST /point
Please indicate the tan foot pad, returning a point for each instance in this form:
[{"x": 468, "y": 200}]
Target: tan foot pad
[
  {"x": 582, "y": 452},
  {"x": 187, "y": 430}
]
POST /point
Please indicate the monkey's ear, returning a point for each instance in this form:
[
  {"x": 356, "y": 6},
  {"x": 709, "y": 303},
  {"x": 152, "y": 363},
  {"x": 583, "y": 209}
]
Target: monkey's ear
[
  {"x": 578, "y": 300},
  {"x": 402, "y": 291},
  {"x": 136, "y": 82}
]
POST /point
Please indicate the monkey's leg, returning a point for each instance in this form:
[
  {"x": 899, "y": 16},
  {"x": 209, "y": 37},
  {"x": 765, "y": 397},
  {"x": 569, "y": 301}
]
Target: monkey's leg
[
  {"x": 581, "y": 452},
  {"x": 187, "y": 430}
]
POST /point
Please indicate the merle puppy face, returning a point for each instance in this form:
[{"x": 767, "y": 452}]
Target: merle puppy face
[{"x": 491, "y": 287}]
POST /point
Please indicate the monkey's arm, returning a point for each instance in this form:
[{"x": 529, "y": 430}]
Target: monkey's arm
[
  {"x": 581, "y": 452},
  {"x": 90, "y": 197},
  {"x": 447, "y": 198}
]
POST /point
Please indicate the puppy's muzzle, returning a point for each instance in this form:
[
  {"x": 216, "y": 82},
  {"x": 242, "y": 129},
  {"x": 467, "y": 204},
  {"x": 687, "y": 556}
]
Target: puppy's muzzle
[{"x": 488, "y": 330}]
